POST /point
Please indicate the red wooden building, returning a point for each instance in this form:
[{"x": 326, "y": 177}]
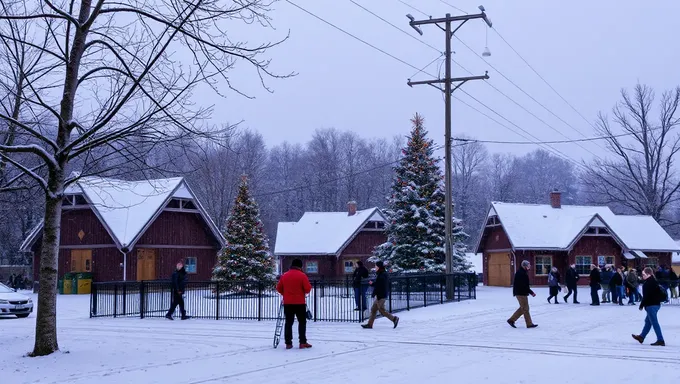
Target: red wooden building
[
  {"x": 556, "y": 235},
  {"x": 329, "y": 243},
  {"x": 123, "y": 230}
]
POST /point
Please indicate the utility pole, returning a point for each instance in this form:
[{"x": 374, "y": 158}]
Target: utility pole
[{"x": 448, "y": 81}]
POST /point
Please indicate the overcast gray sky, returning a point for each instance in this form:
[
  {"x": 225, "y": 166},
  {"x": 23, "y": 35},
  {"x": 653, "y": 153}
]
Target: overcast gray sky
[{"x": 587, "y": 50}]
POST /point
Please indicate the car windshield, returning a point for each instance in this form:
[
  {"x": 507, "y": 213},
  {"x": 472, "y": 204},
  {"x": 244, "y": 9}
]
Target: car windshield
[{"x": 5, "y": 289}]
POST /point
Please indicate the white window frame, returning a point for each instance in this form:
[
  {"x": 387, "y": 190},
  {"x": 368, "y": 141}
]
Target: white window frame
[
  {"x": 351, "y": 268},
  {"x": 314, "y": 270},
  {"x": 536, "y": 257},
  {"x": 195, "y": 264},
  {"x": 653, "y": 266},
  {"x": 587, "y": 265},
  {"x": 613, "y": 258}
]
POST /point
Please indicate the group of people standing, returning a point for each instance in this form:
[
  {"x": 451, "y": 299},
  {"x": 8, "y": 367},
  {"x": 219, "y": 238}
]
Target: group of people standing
[{"x": 614, "y": 282}]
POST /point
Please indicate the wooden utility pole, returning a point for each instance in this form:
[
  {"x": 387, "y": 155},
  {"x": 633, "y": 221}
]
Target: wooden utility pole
[{"x": 448, "y": 81}]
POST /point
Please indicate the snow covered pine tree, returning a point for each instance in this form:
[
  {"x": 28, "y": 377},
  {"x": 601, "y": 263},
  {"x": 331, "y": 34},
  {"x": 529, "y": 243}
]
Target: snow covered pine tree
[
  {"x": 416, "y": 213},
  {"x": 246, "y": 258}
]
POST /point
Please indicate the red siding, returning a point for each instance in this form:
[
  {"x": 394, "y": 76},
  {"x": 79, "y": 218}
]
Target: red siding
[
  {"x": 184, "y": 230},
  {"x": 331, "y": 267},
  {"x": 364, "y": 243},
  {"x": 178, "y": 228},
  {"x": 494, "y": 239}
]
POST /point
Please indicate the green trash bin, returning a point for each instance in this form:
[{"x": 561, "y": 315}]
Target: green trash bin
[
  {"x": 68, "y": 283},
  {"x": 60, "y": 286}
]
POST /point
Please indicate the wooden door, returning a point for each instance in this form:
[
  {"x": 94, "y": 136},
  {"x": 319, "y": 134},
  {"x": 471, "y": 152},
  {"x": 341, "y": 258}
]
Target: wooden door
[
  {"x": 499, "y": 270},
  {"x": 146, "y": 264},
  {"x": 81, "y": 260}
]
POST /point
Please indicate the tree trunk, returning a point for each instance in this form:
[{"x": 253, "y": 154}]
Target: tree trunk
[{"x": 46, "y": 322}]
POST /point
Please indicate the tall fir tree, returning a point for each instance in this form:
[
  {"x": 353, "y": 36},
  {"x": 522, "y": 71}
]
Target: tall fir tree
[
  {"x": 416, "y": 212},
  {"x": 246, "y": 256}
]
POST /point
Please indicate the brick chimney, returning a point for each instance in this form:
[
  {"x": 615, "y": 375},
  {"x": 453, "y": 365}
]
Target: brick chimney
[
  {"x": 351, "y": 208},
  {"x": 556, "y": 199}
]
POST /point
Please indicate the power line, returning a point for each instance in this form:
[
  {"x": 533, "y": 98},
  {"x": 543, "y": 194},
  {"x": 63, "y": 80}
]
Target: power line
[
  {"x": 352, "y": 36},
  {"x": 518, "y": 87},
  {"x": 420, "y": 70},
  {"x": 396, "y": 27},
  {"x": 453, "y": 6},
  {"x": 414, "y": 8},
  {"x": 529, "y": 95},
  {"x": 542, "y": 78}
]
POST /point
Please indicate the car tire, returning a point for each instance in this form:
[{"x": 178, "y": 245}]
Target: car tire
[{"x": 22, "y": 316}]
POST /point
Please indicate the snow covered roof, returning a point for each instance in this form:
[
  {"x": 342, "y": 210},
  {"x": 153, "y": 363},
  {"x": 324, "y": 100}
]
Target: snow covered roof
[
  {"x": 127, "y": 208},
  {"x": 534, "y": 226},
  {"x": 322, "y": 233},
  {"x": 676, "y": 255}
]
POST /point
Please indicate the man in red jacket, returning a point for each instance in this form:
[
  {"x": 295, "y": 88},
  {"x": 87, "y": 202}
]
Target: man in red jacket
[{"x": 294, "y": 286}]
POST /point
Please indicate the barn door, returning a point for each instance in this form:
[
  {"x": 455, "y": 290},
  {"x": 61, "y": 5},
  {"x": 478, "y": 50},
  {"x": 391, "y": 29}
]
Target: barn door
[
  {"x": 81, "y": 260},
  {"x": 499, "y": 269},
  {"x": 146, "y": 264}
]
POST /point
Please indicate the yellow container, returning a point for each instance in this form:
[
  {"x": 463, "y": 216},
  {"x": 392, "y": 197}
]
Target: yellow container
[
  {"x": 68, "y": 286},
  {"x": 84, "y": 286}
]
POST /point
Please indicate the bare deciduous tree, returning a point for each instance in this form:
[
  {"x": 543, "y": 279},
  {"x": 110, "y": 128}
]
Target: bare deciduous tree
[
  {"x": 640, "y": 178},
  {"x": 113, "y": 82}
]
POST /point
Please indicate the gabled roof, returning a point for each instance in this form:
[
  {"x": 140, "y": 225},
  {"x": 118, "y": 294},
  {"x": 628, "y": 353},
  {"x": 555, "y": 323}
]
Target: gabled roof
[
  {"x": 127, "y": 208},
  {"x": 322, "y": 233},
  {"x": 541, "y": 227}
]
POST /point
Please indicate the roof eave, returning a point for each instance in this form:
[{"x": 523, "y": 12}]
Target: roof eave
[
  {"x": 358, "y": 229},
  {"x": 213, "y": 227}
]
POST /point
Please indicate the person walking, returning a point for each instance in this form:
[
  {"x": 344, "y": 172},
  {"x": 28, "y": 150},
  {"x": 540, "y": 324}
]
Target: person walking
[
  {"x": 632, "y": 283},
  {"x": 619, "y": 291},
  {"x": 179, "y": 282},
  {"x": 360, "y": 273},
  {"x": 595, "y": 281},
  {"x": 571, "y": 280},
  {"x": 652, "y": 296},
  {"x": 294, "y": 286},
  {"x": 554, "y": 284},
  {"x": 521, "y": 289},
  {"x": 380, "y": 290}
]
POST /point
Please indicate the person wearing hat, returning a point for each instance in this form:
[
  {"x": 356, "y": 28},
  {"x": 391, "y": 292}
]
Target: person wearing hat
[
  {"x": 294, "y": 286},
  {"x": 521, "y": 289},
  {"x": 380, "y": 290}
]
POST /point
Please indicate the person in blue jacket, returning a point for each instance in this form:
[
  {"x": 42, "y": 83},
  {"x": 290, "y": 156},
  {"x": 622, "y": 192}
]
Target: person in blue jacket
[{"x": 179, "y": 282}]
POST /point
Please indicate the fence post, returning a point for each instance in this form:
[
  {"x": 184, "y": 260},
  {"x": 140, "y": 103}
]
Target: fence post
[
  {"x": 316, "y": 305},
  {"x": 124, "y": 299},
  {"x": 458, "y": 285},
  {"x": 442, "y": 281},
  {"x": 217, "y": 301},
  {"x": 474, "y": 288},
  {"x": 408, "y": 293},
  {"x": 259, "y": 301},
  {"x": 424, "y": 291},
  {"x": 142, "y": 299},
  {"x": 93, "y": 306},
  {"x": 115, "y": 300}
]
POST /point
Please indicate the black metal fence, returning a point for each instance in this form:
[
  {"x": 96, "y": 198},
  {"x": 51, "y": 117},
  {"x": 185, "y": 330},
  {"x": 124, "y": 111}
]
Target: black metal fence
[{"x": 329, "y": 300}]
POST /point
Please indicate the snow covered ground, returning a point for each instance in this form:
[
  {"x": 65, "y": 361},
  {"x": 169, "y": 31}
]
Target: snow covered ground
[{"x": 459, "y": 342}]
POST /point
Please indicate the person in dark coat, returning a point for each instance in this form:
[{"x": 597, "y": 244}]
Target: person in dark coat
[
  {"x": 652, "y": 296},
  {"x": 673, "y": 279},
  {"x": 521, "y": 289},
  {"x": 554, "y": 284},
  {"x": 294, "y": 286},
  {"x": 618, "y": 291},
  {"x": 381, "y": 287},
  {"x": 595, "y": 281},
  {"x": 571, "y": 280},
  {"x": 179, "y": 282},
  {"x": 606, "y": 277},
  {"x": 360, "y": 273}
]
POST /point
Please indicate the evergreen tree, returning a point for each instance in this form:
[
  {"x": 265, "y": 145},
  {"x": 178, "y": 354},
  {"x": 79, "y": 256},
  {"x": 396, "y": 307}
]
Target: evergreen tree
[
  {"x": 416, "y": 212},
  {"x": 246, "y": 256}
]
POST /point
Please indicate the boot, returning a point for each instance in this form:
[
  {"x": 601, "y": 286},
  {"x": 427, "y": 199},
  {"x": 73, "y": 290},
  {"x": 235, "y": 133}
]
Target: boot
[
  {"x": 366, "y": 326},
  {"x": 396, "y": 321},
  {"x": 289, "y": 346},
  {"x": 305, "y": 346},
  {"x": 659, "y": 343},
  {"x": 639, "y": 338},
  {"x": 169, "y": 317}
]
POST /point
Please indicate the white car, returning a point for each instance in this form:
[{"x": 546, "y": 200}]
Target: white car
[{"x": 14, "y": 303}]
